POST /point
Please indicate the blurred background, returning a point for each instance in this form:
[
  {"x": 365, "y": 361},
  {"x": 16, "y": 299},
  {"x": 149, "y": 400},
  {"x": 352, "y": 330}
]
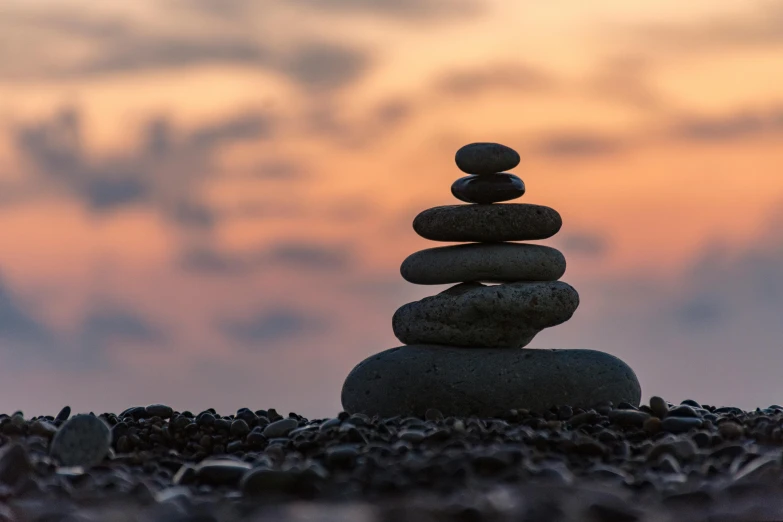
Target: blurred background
[{"x": 205, "y": 203}]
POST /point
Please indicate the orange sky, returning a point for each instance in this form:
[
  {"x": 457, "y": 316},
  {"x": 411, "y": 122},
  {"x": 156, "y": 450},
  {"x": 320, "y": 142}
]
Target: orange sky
[{"x": 205, "y": 203}]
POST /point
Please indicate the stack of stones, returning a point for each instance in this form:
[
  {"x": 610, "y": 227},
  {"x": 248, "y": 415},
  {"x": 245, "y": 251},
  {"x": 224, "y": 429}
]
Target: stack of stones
[{"x": 463, "y": 351}]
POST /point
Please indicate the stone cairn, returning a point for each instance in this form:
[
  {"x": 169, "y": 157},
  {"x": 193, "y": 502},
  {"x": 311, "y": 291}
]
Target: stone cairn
[{"x": 463, "y": 351}]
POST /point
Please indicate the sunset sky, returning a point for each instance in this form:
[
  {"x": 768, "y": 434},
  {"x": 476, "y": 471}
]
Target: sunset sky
[{"x": 205, "y": 203}]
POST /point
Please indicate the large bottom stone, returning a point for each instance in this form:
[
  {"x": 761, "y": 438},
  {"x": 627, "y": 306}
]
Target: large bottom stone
[{"x": 485, "y": 382}]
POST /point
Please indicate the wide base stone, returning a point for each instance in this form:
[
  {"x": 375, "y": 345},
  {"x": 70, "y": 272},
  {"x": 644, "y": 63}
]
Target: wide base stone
[{"x": 485, "y": 382}]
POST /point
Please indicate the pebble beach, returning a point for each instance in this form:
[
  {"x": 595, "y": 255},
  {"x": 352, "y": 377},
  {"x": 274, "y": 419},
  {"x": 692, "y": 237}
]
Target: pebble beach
[{"x": 657, "y": 462}]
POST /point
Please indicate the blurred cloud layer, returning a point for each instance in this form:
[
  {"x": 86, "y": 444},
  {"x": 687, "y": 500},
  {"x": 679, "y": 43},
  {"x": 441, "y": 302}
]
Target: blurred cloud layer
[{"x": 205, "y": 202}]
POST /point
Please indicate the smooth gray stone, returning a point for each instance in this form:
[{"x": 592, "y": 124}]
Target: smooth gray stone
[
  {"x": 488, "y": 189},
  {"x": 83, "y": 440},
  {"x": 461, "y": 382},
  {"x": 486, "y": 158},
  {"x": 488, "y": 223},
  {"x": 280, "y": 428},
  {"x": 484, "y": 262},
  {"x": 474, "y": 315}
]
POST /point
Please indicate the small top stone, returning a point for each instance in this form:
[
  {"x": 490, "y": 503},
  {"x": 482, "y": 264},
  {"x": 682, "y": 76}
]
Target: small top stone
[{"x": 486, "y": 158}]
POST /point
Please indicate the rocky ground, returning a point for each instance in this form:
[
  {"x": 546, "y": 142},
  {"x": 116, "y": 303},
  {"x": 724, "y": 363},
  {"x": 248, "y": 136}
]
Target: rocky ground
[{"x": 656, "y": 463}]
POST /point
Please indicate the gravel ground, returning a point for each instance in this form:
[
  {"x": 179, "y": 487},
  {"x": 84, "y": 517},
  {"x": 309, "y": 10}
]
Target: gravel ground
[{"x": 611, "y": 463}]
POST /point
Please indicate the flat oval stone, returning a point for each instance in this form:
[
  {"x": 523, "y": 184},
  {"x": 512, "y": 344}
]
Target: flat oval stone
[
  {"x": 488, "y": 223},
  {"x": 472, "y": 315},
  {"x": 83, "y": 440},
  {"x": 409, "y": 380},
  {"x": 487, "y": 262},
  {"x": 491, "y": 188},
  {"x": 486, "y": 158}
]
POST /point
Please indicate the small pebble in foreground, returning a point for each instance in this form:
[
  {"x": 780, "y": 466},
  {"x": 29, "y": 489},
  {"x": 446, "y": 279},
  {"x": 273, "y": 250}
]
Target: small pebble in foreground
[
  {"x": 486, "y": 158},
  {"x": 487, "y": 189},
  {"x": 83, "y": 440}
]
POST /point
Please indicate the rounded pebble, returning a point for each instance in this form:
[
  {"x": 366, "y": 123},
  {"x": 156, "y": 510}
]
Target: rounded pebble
[
  {"x": 486, "y": 158},
  {"x": 659, "y": 407},
  {"x": 83, "y": 440},
  {"x": 683, "y": 410},
  {"x": 491, "y": 188},
  {"x": 280, "y": 428},
  {"x": 680, "y": 424},
  {"x": 160, "y": 410},
  {"x": 64, "y": 414}
]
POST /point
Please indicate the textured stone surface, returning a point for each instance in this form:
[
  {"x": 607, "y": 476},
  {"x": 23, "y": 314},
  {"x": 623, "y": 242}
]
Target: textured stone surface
[
  {"x": 84, "y": 440},
  {"x": 500, "y": 316},
  {"x": 457, "y": 381},
  {"x": 507, "y": 222},
  {"x": 490, "y": 263},
  {"x": 491, "y": 188},
  {"x": 486, "y": 158}
]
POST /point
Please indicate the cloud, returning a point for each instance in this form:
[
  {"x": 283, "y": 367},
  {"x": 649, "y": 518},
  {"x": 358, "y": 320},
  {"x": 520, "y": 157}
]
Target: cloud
[
  {"x": 700, "y": 311},
  {"x": 570, "y": 144},
  {"x": 105, "y": 328},
  {"x": 583, "y": 243},
  {"x": 741, "y": 125},
  {"x": 407, "y": 10},
  {"x": 704, "y": 130},
  {"x": 17, "y": 324},
  {"x": 308, "y": 255},
  {"x": 626, "y": 79},
  {"x": 164, "y": 172},
  {"x": 289, "y": 254},
  {"x": 325, "y": 66},
  {"x": 240, "y": 127},
  {"x": 510, "y": 76},
  {"x": 107, "y": 323},
  {"x": 208, "y": 259},
  {"x": 193, "y": 214},
  {"x": 27, "y": 341},
  {"x": 111, "y": 43},
  {"x": 279, "y": 169},
  {"x": 137, "y": 54},
  {"x": 230, "y": 9},
  {"x": 273, "y": 325},
  {"x": 393, "y": 111},
  {"x": 760, "y": 26},
  {"x": 117, "y": 43},
  {"x": 735, "y": 280},
  {"x": 327, "y": 120}
]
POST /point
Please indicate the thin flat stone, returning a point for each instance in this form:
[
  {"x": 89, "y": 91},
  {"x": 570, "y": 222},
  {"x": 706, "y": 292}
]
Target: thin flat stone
[
  {"x": 487, "y": 189},
  {"x": 500, "y": 316},
  {"x": 409, "y": 380},
  {"x": 488, "y": 223},
  {"x": 482, "y": 262},
  {"x": 486, "y": 158}
]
